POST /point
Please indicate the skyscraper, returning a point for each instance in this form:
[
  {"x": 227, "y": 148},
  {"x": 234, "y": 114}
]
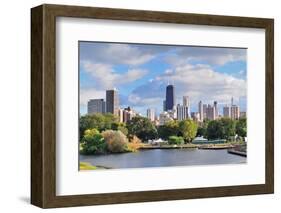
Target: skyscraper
[
  {"x": 200, "y": 110},
  {"x": 96, "y": 106},
  {"x": 151, "y": 114},
  {"x": 216, "y": 109},
  {"x": 186, "y": 101},
  {"x": 235, "y": 112},
  {"x": 170, "y": 97},
  {"x": 226, "y": 112},
  {"x": 182, "y": 112},
  {"x": 112, "y": 101}
]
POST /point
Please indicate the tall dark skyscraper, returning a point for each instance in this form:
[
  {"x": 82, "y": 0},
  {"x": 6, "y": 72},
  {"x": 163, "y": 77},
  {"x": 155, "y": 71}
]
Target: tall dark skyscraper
[
  {"x": 170, "y": 97},
  {"x": 112, "y": 101}
]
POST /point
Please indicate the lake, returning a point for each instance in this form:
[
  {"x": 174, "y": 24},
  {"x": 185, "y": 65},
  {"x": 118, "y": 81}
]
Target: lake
[{"x": 163, "y": 157}]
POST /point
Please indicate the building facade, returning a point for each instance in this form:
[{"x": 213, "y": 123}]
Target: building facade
[
  {"x": 112, "y": 101},
  {"x": 200, "y": 111},
  {"x": 96, "y": 106},
  {"x": 182, "y": 112},
  {"x": 170, "y": 97},
  {"x": 150, "y": 113}
]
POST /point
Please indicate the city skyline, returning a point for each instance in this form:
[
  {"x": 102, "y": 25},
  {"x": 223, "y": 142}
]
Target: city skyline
[{"x": 141, "y": 74}]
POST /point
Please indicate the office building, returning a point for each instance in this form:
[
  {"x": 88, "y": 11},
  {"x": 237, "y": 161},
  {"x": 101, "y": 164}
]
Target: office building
[
  {"x": 150, "y": 114},
  {"x": 96, "y": 106},
  {"x": 235, "y": 112},
  {"x": 164, "y": 117},
  {"x": 226, "y": 112},
  {"x": 195, "y": 116},
  {"x": 210, "y": 112},
  {"x": 170, "y": 97},
  {"x": 128, "y": 114},
  {"x": 200, "y": 110},
  {"x": 182, "y": 112},
  {"x": 112, "y": 101}
]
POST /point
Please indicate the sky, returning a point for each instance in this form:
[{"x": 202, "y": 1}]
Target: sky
[{"x": 141, "y": 72}]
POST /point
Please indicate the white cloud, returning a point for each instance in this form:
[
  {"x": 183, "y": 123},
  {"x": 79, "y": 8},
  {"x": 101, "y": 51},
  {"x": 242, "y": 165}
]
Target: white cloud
[
  {"x": 107, "y": 78},
  {"x": 212, "y": 56},
  {"x": 114, "y": 53},
  {"x": 90, "y": 93},
  {"x": 197, "y": 81}
]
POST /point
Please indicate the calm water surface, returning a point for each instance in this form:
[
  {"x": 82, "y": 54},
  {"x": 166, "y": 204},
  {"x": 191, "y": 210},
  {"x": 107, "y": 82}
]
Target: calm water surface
[{"x": 163, "y": 157}]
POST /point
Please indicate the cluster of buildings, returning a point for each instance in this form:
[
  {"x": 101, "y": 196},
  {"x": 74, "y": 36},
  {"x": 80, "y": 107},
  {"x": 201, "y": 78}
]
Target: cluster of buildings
[
  {"x": 171, "y": 110},
  {"x": 111, "y": 105}
]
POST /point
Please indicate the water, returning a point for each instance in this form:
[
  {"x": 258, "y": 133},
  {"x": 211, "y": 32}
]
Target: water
[{"x": 163, "y": 157}]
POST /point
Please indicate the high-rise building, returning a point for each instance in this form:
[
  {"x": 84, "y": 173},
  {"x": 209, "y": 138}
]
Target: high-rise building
[
  {"x": 170, "y": 97},
  {"x": 164, "y": 105},
  {"x": 235, "y": 112},
  {"x": 216, "y": 109},
  {"x": 120, "y": 115},
  {"x": 151, "y": 114},
  {"x": 200, "y": 110},
  {"x": 211, "y": 113},
  {"x": 182, "y": 112},
  {"x": 186, "y": 101},
  {"x": 128, "y": 114},
  {"x": 164, "y": 117},
  {"x": 195, "y": 116},
  {"x": 243, "y": 114},
  {"x": 112, "y": 101},
  {"x": 226, "y": 112},
  {"x": 205, "y": 111},
  {"x": 96, "y": 106}
]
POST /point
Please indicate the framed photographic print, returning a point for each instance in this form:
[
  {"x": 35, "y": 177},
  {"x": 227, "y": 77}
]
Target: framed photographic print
[{"x": 135, "y": 106}]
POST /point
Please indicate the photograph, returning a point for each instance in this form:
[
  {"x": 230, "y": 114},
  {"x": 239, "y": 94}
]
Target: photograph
[{"x": 161, "y": 105}]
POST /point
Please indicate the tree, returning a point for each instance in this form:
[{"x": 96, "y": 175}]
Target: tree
[
  {"x": 241, "y": 127},
  {"x": 215, "y": 130},
  {"x": 98, "y": 121},
  {"x": 142, "y": 127},
  {"x": 93, "y": 142},
  {"x": 188, "y": 129},
  {"x": 228, "y": 126},
  {"x": 170, "y": 128},
  {"x": 175, "y": 140},
  {"x": 116, "y": 141}
]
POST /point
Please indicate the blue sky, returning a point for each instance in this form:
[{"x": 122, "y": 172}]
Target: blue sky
[{"x": 141, "y": 72}]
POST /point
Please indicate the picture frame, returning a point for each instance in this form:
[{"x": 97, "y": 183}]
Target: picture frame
[{"x": 43, "y": 105}]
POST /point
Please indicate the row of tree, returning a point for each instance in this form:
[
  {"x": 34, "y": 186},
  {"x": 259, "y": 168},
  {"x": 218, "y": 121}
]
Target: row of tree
[
  {"x": 145, "y": 130},
  {"x": 139, "y": 126},
  {"x": 224, "y": 128}
]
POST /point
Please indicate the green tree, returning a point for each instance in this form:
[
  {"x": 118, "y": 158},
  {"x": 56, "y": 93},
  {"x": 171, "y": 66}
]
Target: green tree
[
  {"x": 228, "y": 126},
  {"x": 93, "y": 142},
  {"x": 215, "y": 130},
  {"x": 116, "y": 141},
  {"x": 188, "y": 129},
  {"x": 142, "y": 127},
  {"x": 175, "y": 140},
  {"x": 170, "y": 128},
  {"x": 98, "y": 121},
  {"x": 241, "y": 127}
]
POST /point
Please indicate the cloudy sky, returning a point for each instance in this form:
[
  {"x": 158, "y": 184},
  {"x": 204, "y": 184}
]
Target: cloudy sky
[{"x": 141, "y": 72}]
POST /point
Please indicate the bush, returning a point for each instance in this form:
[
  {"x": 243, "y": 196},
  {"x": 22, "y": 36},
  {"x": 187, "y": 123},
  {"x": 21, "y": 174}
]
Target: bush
[
  {"x": 115, "y": 141},
  {"x": 175, "y": 140},
  {"x": 93, "y": 142},
  {"x": 134, "y": 144}
]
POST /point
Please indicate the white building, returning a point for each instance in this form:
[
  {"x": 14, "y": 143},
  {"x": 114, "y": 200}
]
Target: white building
[
  {"x": 150, "y": 114},
  {"x": 182, "y": 112},
  {"x": 164, "y": 117}
]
